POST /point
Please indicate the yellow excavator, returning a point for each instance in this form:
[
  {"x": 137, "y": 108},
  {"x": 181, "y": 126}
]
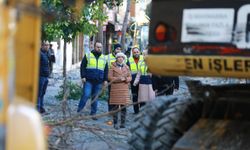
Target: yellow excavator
[
  {"x": 21, "y": 125},
  {"x": 190, "y": 37},
  {"x": 206, "y": 38}
]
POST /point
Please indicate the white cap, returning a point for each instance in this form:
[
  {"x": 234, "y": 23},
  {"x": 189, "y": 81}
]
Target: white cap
[{"x": 121, "y": 55}]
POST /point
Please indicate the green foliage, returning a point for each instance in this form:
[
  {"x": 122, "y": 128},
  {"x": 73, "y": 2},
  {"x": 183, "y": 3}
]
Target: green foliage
[
  {"x": 113, "y": 3},
  {"x": 62, "y": 19},
  {"x": 104, "y": 95},
  {"x": 75, "y": 91}
]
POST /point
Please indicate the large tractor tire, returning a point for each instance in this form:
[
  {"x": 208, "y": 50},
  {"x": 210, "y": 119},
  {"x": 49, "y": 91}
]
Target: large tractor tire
[{"x": 162, "y": 122}]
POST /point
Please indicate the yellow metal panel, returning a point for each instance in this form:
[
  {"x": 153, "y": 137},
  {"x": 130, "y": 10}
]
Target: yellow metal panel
[
  {"x": 27, "y": 53},
  {"x": 23, "y": 2},
  {"x": 24, "y": 127},
  {"x": 217, "y": 66},
  {"x": 6, "y": 59},
  {"x": 3, "y": 61}
]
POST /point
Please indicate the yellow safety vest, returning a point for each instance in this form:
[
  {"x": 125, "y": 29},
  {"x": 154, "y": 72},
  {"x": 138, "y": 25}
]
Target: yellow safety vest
[
  {"x": 133, "y": 65},
  {"x": 110, "y": 58},
  {"x": 94, "y": 63},
  {"x": 143, "y": 68}
]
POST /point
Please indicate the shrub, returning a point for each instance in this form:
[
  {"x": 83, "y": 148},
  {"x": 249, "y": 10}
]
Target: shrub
[
  {"x": 75, "y": 91},
  {"x": 104, "y": 95}
]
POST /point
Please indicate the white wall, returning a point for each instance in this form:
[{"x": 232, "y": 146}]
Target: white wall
[{"x": 59, "y": 55}]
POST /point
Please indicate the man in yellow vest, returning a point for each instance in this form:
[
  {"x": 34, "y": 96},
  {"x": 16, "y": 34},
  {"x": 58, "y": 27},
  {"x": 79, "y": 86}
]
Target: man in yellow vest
[
  {"x": 111, "y": 57},
  {"x": 133, "y": 64},
  {"x": 94, "y": 73}
]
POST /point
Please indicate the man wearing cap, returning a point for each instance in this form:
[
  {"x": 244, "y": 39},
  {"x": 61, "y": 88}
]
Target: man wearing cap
[
  {"x": 133, "y": 64},
  {"x": 43, "y": 76},
  {"x": 94, "y": 73},
  {"x": 111, "y": 57}
]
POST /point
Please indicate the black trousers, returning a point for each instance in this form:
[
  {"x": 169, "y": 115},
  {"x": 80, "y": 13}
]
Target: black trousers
[
  {"x": 50, "y": 67},
  {"x": 134, "y": 90},
  {"x": 109, "y": 106},
  {"x": 115, "y": 115},
  {"x": 142, "y": 104}
]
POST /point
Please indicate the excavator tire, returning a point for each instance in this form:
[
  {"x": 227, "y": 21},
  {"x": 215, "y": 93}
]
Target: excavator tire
[{"x": 162, "y": 122}]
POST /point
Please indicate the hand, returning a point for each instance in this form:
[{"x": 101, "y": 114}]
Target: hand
[
  {"x": 127, "y": 80},
  {"x": 122, "y": 78},
  {"x": 134, "y": 84},
  {"x": 83, "y": 80},
  {"x": 105, "y": 83},
  {"x": 156, "y": 91}
]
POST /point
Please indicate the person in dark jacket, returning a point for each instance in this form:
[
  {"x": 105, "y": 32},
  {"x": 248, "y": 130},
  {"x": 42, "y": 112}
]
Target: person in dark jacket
[
  {"x": 43, "y": 76},
  {"x": 52, "y": 59},
  {"x": 94, "y": 73},
  {"x": 164, "y": 85}
]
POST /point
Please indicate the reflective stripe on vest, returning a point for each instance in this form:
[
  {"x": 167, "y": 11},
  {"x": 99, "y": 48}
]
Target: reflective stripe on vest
[
  {"x": 110, "y": 58},
  {"x": 143, "y": 68},
  {"x": 94, "y": 63},
  {"x": 133, "y": 65}
]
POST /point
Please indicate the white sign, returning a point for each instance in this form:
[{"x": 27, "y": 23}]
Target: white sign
[{"x": 207, "y": 25}]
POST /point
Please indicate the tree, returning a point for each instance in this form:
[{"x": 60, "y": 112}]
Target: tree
[
  {"x": 99, "y": 36},
  {"x": 125, "y": 24}
]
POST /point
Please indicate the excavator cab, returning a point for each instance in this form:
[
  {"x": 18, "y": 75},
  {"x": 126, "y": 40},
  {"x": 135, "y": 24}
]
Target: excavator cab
[
  {"x": 206, "y": 38},
  {"x": 200, "y": 38}
]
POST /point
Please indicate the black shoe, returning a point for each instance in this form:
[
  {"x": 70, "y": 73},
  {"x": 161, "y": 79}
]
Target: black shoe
[
  {"x": 94, "y": 118},
  {"x": 122, "y": 126},
  {"x": 79, "y": 110},
  {"x": 41, "y": 110}
]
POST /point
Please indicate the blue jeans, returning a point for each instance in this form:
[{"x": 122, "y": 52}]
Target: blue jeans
[
  {"x": 90, "y": 90},
  {"x": 43, "y": 83}
]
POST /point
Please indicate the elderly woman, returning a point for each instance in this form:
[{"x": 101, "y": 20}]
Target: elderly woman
[
  {"x": 144, "y": 79},
  {"x": 119, "y": 76}
]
